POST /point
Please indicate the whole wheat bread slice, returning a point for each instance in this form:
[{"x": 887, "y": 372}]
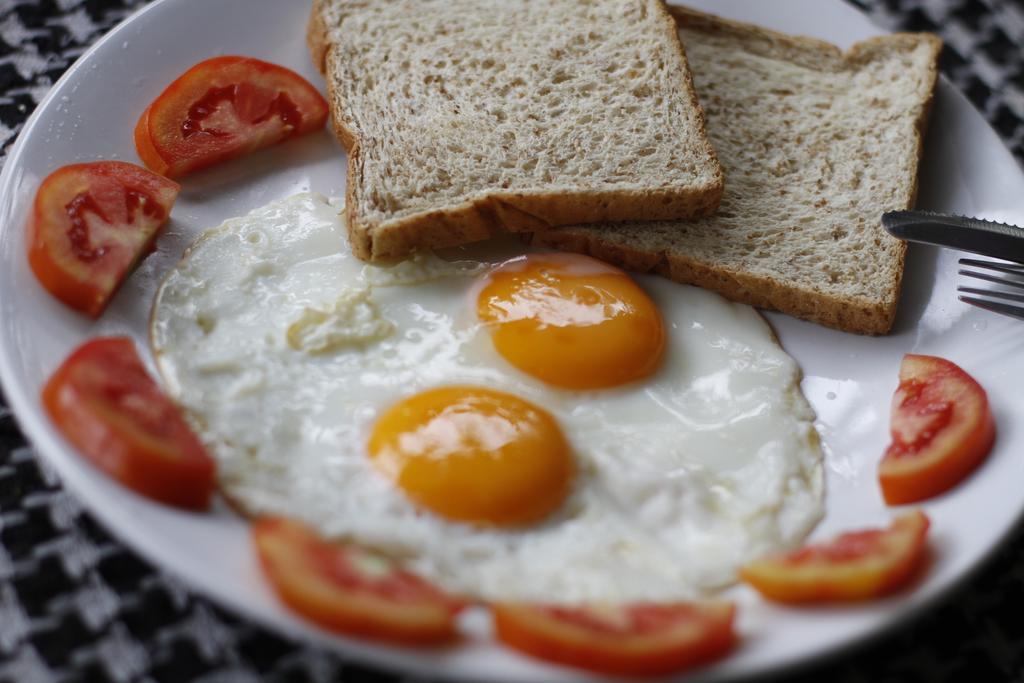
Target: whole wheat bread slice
[
  {"x": 816, "y": 145},
  {"x": 466, "y": 118}
]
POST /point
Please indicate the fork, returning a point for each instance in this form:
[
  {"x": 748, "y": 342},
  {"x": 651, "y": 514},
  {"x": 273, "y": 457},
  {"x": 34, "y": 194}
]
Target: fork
[
  {"x": 1009, "y": 275},
  {"x": 987, "y": 238}
]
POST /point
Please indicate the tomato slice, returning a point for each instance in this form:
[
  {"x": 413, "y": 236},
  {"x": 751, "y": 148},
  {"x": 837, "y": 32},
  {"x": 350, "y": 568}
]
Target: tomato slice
[
  {"x": 350, "y": 589},
  {"x": 640, "y": 639},
  {"x": 223, "y": 108},
  {"x": 106, "y": 404},
  {"x": 855, "y": 566},
  {"x": 942, "y": 429},
  {"x": 90, "y": 225}
]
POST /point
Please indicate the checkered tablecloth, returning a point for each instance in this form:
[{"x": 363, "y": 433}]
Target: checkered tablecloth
[{"x": 75, "y": 605}]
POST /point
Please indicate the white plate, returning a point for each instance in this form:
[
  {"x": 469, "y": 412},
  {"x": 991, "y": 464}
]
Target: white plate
[{"x": 90, "y": 114}]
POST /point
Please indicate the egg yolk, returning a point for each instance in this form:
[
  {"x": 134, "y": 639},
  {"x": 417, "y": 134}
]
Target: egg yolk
[
  {"x": 572, "y": 321},
  {"x": 474, "y": 455}
]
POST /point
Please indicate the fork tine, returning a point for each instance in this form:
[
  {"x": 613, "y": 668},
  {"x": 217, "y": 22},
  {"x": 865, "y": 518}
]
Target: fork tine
[
  {"x": 994, "y": 294},
  {"x": 992, "y": 278},
  {"x": 1007, "y": 275},
  {"x": 1011, "y": 268},
  {"x": 995, "y": 307}
]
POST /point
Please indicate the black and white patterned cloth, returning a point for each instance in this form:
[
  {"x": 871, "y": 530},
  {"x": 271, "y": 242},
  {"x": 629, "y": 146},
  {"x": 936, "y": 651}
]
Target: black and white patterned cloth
[{"x": 77, "y": 606}]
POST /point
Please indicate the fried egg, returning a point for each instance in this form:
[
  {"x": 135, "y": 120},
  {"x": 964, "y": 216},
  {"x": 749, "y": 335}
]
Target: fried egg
[{"x": 644, "y": 454}]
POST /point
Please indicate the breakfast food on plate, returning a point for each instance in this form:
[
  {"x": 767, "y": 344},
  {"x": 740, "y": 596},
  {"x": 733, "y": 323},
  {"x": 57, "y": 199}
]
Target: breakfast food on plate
[
  {"x": 855, "y": 566},
  {"x": 942, "y": 429},
  {"x": 816, "y": 145},
  {"x": 294, "y": 360},
  {"x": 464, "y": 118},
  {"x": 90, "y": 225},
  {"x": 350, "y": 589},
  {"x": 105, "y": 403},
  {"x": 359, "y": 592},
  {"x": 631, "y": 640},
  {"x": 509, "y": 464},
  {"x": 223, "y": 108},
  {"x": 524, "y": 303},
  {"x": 590, "y": 454}
]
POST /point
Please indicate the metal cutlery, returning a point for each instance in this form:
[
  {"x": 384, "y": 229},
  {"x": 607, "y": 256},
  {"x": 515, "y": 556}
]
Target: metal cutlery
[
  {"x": 1009, "y": 275},
  {"x": 988, "y": 238}
]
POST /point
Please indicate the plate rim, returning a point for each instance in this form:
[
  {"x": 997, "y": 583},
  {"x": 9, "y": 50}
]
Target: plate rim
[{"x": 29, "y": 418}]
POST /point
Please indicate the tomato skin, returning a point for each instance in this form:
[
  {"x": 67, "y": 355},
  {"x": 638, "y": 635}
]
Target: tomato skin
[
  {"x": 144, "y": 146},
  {"x": 104, "y": 402},
  {"x": 853, "y": 567},
  {"x": 628, "y": 640},
  {"x": 942, "y": 430},
  {"x": 329, "y": 584},
  {"x": 188, "y": 127},
  {"x": 90, "y": 224}
]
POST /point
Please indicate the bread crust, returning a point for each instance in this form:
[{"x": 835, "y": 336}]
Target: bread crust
[
  {"x": 494, "y": 212},
  {"x": 859, "y": 315},
  {"x": 316, "y": 37},
  {"x": 854, "y": 315}
]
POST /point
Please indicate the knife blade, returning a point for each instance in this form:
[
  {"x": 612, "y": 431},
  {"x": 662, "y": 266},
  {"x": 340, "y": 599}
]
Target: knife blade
[{"x": 988, "y": 238}]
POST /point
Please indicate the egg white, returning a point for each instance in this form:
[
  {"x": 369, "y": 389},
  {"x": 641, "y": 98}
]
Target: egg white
[{"x": 284, "y": 348}]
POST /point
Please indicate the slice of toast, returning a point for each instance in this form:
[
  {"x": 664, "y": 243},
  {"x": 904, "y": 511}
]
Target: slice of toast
[
  {"x": 467, "y": 118},
  {"x": 816, "y": 145}
]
